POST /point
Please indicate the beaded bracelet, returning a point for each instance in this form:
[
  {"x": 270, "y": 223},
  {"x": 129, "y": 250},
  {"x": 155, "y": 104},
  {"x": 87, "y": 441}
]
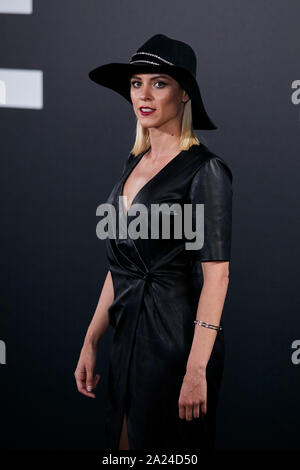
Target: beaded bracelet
[{"x": 208, "y": 325}]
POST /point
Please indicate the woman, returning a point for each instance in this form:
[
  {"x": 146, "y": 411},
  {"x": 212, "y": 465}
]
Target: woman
[{"x": 164, "y": 300}]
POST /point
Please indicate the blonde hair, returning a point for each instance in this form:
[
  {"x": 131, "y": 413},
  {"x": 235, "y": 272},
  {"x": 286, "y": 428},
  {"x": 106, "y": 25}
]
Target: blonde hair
[{"x": 187, "y": 137}]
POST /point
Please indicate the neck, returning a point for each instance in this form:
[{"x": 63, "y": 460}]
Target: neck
[{"x": 163, "y": 148}]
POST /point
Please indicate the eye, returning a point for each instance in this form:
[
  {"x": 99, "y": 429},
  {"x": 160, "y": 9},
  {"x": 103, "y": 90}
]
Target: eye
[
  {"x": 159, "y": 81},
  {"x": 133, "y": 82},
  {"x": 163, "y": 83}
]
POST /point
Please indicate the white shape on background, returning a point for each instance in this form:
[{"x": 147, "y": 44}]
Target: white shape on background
[
  {"x": 2, "y": 352},
  {"x": 296, "y": 354},
  {"x": 23, "y": 88},
  {"x": 16, "y": 6},
  {"x": 296, "y": 94},
  {"x": 2, "y": 92}
]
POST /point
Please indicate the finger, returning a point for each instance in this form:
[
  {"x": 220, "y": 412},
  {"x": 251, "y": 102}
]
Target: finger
[
  {"x": 97, "y": 378},
  {"x": 203, "y": 407},
  {"x": 80, "y": 377},
  {"x": 196, "y": 411},
  {"x": 88, "y": 394},
  {"x": 89, "y": 381},
  {"x": 181, "y": 411},
  {"x": 81, "y": 386},
  {"x": 189, "y": 412},
  {"x": 95, "y": 381},
  {"x": 80, "y": 381}
]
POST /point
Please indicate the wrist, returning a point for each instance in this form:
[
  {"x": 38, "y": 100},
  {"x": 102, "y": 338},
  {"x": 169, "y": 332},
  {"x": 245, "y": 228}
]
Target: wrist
[
  {"x": 196, "y": 366},
  {"x": 90, "y": 343}
]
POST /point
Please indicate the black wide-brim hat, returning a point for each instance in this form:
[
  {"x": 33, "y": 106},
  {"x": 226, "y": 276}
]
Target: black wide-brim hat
[{"x": 159, "y": 54}]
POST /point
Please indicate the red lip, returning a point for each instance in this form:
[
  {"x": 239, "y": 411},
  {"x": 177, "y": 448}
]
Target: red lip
[{"x": 145, "y": 113}]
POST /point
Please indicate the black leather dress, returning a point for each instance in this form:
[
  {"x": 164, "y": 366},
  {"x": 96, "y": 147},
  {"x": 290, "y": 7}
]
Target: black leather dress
[{"x": 157, "y": 284}]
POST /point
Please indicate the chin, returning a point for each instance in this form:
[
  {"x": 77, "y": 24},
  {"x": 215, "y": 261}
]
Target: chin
[
  {"x": 150, "y": 123},
  {"x": 150, "y": 126}
]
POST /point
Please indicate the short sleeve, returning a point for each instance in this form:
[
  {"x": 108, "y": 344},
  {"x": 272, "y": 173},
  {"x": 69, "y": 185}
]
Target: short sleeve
[{"x": 212, "y": 187}]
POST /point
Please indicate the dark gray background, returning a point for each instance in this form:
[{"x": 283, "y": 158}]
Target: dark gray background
[{"x": 59, "y": 163}]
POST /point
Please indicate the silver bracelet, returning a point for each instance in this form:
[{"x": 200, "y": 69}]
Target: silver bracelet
[{"x": 208, "y": 325}]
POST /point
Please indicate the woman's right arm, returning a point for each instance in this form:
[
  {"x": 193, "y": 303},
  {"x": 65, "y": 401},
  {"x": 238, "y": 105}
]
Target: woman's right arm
[
  {"x": 100, "y": 320},
  {"x": 84, "y": 373}
]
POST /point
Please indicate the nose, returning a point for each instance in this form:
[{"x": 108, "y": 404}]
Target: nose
[{"x": 145, "y": 91}]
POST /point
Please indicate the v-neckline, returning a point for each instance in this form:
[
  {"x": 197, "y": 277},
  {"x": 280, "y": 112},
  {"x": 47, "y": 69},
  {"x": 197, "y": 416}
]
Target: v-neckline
[{"x": 127, "y": 174}]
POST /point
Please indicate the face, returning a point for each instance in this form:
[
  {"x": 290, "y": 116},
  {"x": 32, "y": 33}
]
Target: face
[{"x": 160, "y": 92}]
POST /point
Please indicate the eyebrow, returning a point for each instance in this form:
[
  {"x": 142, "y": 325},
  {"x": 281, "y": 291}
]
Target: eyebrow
[{"x": 153, "y": 78}]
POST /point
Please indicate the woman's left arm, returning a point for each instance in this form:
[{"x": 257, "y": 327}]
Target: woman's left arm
[
  {"x": 193, "y": 395},
  {"x": 211, "y": 186},
  {"x": 210, "y": 307}
]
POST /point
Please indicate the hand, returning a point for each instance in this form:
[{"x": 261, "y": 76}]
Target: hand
[
  {"x": 193, "y": 395},
  {"x": 84, "y": 371}
]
